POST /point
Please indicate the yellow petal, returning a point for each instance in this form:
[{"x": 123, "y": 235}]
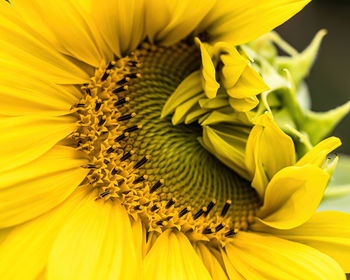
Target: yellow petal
[
  {"x": 249, "y": 84},
  {"x": 210, "y": 261},
  {"x": 37, "y": 187},
  {"x": 254, "y": 161},
  {"x": 155, "y": 24},
  {"x": 32, "y": 17},
  {"x": 4, "y": 232},
  {"x": 42, "y": 275},
  {"x": 120, "y": 22},
  {"x": 139, "y": 233},
  {"x": 30, "y": 137},
  {"x": 318, "y": 154},
  {"x": 243, "y": 104},
  {"x": 229, "y": 116},
  {"x": 196, "y": 113},
  {"x": 190, "y": 87},
  {"x": 227, "y": 147},
  {"x": 24, "y": 253},
  {"x": 210, "y": 85},
  {"x": 260, "y": 256},
  {"x": 175, "y": 19},
  {"x": 233, "y": 63},
  {"x": 268, "y": 150},
  {"x": 232, "y": 69},
  {"x": 184, "y": 109},
  {"x": 67, "y": 26},
  {"x": 215, "y": 103},
  {"x": 185, "y": 16},
  {"x": 292, "y": 196},
  {"x": 239, "y": 22},
  {"x": 95, "y": 243},
  {"x": 152, "y": 237},
  {"x": 230, "y": 268},
  {"x": 23, "y": 48},
  {"x": 29, "y": 94},
  {"x": 173, "y": 257},
  {"x": 327, "y": 231}
]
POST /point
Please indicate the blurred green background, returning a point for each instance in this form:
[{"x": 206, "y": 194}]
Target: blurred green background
[{"x": 329, "y": 81}]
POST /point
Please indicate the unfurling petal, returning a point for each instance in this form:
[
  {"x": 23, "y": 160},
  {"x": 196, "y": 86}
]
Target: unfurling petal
[
  {"x": 269, "y": 150},
  {"x": 292, "y": 196}
]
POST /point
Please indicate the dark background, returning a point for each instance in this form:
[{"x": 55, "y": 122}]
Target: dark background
[{"x": 329, "y": 81}]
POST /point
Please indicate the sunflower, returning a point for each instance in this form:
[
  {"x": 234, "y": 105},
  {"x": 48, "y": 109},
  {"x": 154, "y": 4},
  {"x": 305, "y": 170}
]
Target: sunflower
[{"x": 99, "y": 182}]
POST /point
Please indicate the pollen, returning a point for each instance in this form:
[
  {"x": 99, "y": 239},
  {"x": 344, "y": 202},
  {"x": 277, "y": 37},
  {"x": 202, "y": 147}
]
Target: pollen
[{"x": 158, "y": 171}]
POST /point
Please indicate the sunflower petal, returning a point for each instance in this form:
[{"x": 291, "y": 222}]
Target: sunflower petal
[
  {"x": 35, "y": 188},
  {"x": 4, "y": 232},
  {"x": 175, "y": 19},
  {"x": 24, "y": 253},
  {"x": 95, "y": 243},
  {"x": 190, "y": 87},
  {"x": 229, "y": 148},
  {"x": 120, "y": 22},
  {"x": 259, "y": 256},
  {"x": 211, "y": 262},
  {"x": 23, "y": 48},
  {"x": 173, "y": 257},
  {"x": 184, "y": 109},
  {"x": 32, "y": 95},
  {"x": 28, "y": 137},
  {"x": 249, "y": 84},
  {"x": 70, "y": 30},
  {"x": 243, "y": 104},
  {"x": 139, "y": 233},
  {"x": 233, "y": 63},
  {"x": 327, "y": 231},
  {"x": 209, "y": 83},
  {"x": 318, "y": 154},
  {"x": 239, "y": 22},
  {"x": 230, "y": 268},
  {"x": 269, "y": 150},
  {"x": 292, "y": 196}
]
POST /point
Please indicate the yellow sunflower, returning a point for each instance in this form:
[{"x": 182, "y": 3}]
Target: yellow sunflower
[{"x": 94, "y": 184}]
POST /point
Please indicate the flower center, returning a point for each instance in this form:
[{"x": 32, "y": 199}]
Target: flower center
[{"x": 158, "y": 171}]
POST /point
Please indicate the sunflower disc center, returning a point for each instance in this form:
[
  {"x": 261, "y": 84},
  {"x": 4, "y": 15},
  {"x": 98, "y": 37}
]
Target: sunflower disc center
[{"x": 159, "y": 171}]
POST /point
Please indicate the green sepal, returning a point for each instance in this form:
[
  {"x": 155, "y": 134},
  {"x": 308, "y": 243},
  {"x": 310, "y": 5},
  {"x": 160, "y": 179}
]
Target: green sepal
[
  {"x": 303, "y": 96},
  {"x": 320, "y": 125},
  {"x": 316, "y": 125},
  {"x": 299, "y": 65},
  {"x": 265, "y": 47}
]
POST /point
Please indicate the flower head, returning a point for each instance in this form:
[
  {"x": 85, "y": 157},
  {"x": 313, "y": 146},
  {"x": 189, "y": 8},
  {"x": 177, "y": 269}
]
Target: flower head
[{"x": 124, "y": 147}]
